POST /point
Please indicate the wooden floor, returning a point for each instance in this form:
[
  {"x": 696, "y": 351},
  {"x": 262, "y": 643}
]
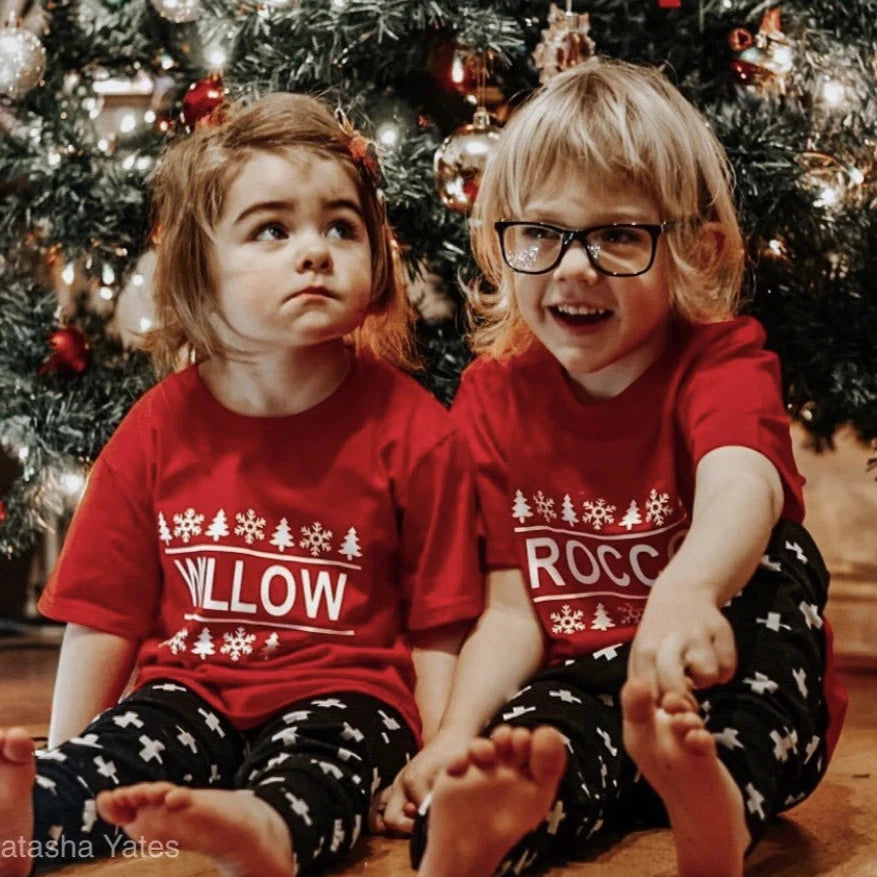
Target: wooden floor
[{"x": 833, "y": 834}]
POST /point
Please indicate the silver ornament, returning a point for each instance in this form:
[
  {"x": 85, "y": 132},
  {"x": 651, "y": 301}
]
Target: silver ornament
[
  {"x": 22, "y": 60},
  {"x": 461, "y": 159},
  {"x": 178, "y": 11}
]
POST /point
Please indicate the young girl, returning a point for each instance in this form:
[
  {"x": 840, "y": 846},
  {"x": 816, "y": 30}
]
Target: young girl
[
  {"x": 641, "y": 505},
  {"x": 276, "y": 537}
]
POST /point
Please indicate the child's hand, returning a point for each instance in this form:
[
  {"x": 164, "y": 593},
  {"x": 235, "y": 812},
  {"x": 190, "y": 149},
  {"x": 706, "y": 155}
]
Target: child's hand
[
  {"x": 415, "y": 780},
  {"x": 682, "y": 644}
]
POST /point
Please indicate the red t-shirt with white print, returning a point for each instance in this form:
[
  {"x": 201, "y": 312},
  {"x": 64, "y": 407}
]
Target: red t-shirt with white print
[
  {"x": 265, "y": 559},
  {"x": 591, "y": 500}
]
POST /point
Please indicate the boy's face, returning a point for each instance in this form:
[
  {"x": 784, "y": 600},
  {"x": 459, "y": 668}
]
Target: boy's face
[
  {"x": 291, "y": 258},
  {"x": 605, "y": 331}
]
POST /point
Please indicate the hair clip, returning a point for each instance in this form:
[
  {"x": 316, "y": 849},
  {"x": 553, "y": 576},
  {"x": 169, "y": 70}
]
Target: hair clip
[{"x": 363, "y": 151}]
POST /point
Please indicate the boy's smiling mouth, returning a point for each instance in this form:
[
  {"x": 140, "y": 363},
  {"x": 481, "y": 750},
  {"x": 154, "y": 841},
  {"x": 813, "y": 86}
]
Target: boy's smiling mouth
[{"x": 579, "y": 315}]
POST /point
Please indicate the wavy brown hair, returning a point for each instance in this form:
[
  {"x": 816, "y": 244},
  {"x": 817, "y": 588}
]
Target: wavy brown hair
[
  {"x": 188, "y": 195},
  {"x": 619, "y": 122}
]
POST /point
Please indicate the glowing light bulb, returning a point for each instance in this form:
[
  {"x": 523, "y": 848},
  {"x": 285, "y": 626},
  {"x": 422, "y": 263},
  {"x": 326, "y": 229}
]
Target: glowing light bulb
[{"x": 388, "y": 134}]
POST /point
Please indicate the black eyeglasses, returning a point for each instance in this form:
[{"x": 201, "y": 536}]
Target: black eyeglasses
[{"x": 620, "y": 249}]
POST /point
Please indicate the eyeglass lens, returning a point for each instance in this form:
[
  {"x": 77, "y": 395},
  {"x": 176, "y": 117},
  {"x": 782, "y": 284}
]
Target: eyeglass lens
[{"x": 620, "y": 249}]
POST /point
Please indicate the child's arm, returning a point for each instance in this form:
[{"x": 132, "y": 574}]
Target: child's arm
[
  {"x": 738, "y": 499},
  {"x": 503, "y": 650},
  {"x": 93, "y": 670},
  {"x": 434, "y": 653}
]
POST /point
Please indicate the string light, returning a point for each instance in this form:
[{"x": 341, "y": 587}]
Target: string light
[{"x": 388, "y": 134}]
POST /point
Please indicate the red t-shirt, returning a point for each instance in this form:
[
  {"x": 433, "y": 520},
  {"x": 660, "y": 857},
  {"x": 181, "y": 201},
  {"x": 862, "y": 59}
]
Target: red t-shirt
[
  {"x": 591, "y": 500},
  {"x": 264, "y": 559}
]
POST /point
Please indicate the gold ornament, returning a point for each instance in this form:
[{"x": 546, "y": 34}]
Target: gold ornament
[
  {"x": 22, "y": 60},
  {"x": 833, "y": 183},
  {"x": 565, "y": 43},
  {"x": 461, "y": 159}
]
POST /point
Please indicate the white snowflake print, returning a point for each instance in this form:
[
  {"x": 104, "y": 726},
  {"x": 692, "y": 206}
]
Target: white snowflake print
[
  {"x": 545, "y": 506},
  {"x": 249, "y": 526},
  {"x": 630, "y": 614},
  {"x": 188, "y": 524},
  {"x": 657, "y": 507},
  {"x": 238, "y": 643},
  {"x": 567, "y": 621},
  {"x": 598, "y": 513},
  {"x": 315, "y": 538},
  {"x": 177, "y": 643}
]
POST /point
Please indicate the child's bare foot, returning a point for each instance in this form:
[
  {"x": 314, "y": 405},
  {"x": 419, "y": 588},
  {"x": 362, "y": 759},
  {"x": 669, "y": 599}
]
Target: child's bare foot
[
  {"x": 242, "y": 834},
  {"x": 17, "y": 772},
  {"x": 482, "y": 806},
  {"x": 677, "y": 755}
]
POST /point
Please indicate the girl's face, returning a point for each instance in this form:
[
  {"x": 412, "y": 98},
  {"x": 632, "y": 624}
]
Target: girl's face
[
  {"x": 605, "y": 331},
  {"x": 292, "y": 258}
]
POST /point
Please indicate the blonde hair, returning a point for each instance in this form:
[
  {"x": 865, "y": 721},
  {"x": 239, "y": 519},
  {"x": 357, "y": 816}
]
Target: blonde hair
[
  {"x": 616, "y": 121},
  {"x": 188, "y": 195}
]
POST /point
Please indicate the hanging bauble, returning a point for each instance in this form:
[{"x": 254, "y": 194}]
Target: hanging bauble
[
  {"x": 565, "y": 42},
  {"x": 202, "y": 98},
  {"x": 2, "y": 511},
  {"x": 471, "y": 74},
  {"x": 763, "y": 62},
  {"x": 70, "y": 352},
  {"x": 178, "y": 11},
  {"x": 22, "y": 60},
  {"x": 461, "y": 159}
]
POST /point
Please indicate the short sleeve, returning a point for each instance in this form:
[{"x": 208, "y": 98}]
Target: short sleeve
[
  {"x": 733, "y": 396},
  {"x": 440, "y": 576},
  {"x": 478, "y": 412},
  {"x": 108, "y": 574}
]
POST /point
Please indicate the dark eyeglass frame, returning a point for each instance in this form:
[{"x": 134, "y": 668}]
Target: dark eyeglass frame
[{"x": 568, "y": 235}]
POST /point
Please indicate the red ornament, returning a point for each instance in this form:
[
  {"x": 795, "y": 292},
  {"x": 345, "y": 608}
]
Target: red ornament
[
  {"x": 202, "y": 100},
  {"x": 70, "y": 352},
  {"x": 669, "y": 4},
  {"x": 2, "y": 511}
]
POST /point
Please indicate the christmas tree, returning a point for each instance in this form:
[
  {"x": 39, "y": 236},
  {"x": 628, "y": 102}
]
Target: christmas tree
[{"x": 93, "y": 89}]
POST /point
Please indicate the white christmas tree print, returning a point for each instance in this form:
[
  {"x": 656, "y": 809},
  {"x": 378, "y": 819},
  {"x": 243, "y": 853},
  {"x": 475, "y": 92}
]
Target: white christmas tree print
[
  {"x": 657, "y": 507},
  {"x": 177, "y": 643},
  {"x": 238, "y": 643},
  {"x": 282, "y": 537},
  {"x": 598, "y": 513},
  {"x": 164, "y": 532},
  {"x": 218, "y": 526},
  {"x": 203, "y": 646},
  {"x": 631, "y": 516},
  {"x": 315, "y": 538},
  {"x": 568, "y": 620},
  {"x": 350, "y": 548},
  {"x": 188, "y": 524},
  {"x": 272, "y": 641},
  {"x": 521, "y": 508},
  {"x": 601, "y": 619},
  {"x": 249, "y": 526},
  {"x": 569, "y": 513},
  {"x": 545, "y": 506}
]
